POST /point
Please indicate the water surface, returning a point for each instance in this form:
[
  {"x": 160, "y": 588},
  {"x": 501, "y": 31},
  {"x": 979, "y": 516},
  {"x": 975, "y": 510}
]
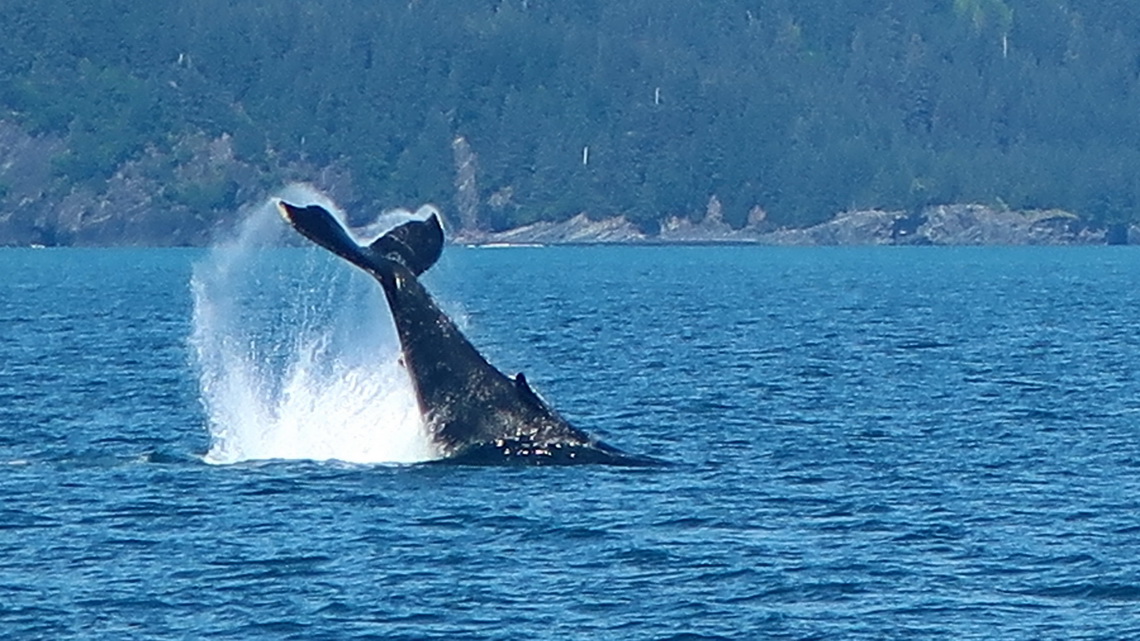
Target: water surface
[{"x": 879, "y": 443}]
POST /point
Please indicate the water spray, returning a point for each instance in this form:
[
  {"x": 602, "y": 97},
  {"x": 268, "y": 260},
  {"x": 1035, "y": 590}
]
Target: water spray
[{"x": 296, "y": 354}]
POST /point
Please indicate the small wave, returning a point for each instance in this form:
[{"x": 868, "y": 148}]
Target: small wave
[
  {"x": 22, "y": 520},
  {"x": 923, "y": 344},
  {"x": 1090, "y": 591}
]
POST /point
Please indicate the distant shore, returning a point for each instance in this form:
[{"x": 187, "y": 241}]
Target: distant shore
[
  {"x": 945, "y": 225},
  {"x": 967, "y": 224}
]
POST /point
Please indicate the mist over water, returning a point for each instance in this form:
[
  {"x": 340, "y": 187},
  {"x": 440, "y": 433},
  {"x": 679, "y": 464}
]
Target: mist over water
[{"x": 296, "y": 354}]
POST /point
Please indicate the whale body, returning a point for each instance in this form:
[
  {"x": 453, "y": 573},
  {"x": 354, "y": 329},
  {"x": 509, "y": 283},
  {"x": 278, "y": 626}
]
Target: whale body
[{"x": 473, "y": 412}]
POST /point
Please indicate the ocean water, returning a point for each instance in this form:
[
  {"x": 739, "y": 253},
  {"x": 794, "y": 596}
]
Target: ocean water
[{"x": 872, "y": 443}]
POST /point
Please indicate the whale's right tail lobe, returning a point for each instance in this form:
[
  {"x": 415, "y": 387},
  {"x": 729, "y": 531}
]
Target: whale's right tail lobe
[{"x": 416, "y": 244}]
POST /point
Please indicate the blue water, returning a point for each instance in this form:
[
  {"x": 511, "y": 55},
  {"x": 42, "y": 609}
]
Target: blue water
[{"x": 878, "y": 443}]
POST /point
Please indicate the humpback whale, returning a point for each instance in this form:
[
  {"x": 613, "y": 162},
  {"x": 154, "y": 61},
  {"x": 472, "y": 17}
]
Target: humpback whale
[{"x": 473, "y": 413}]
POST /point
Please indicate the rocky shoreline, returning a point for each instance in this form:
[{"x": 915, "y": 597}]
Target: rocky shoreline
[{"x": 966, "y": 224}]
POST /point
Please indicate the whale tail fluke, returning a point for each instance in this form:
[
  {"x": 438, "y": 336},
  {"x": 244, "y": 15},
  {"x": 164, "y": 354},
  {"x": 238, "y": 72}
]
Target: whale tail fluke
[{"x": 416, "y": 244}]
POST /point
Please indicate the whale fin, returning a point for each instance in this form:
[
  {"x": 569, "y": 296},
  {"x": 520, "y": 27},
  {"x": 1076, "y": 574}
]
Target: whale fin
[
  {"x": 415, "y": 245},
  {"x": 527, "y": 393},
  {"x": 522, "y": 385}
]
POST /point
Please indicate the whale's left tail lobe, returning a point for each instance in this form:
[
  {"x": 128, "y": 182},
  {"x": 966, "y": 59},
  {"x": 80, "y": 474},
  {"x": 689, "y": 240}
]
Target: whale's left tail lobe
[{"x": 415, "y": 245}]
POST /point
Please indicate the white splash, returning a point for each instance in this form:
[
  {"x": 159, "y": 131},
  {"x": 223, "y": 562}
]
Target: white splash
[{"x": 296, "y": 353}]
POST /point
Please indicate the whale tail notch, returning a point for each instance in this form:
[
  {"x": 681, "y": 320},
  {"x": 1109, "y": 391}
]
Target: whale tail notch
[{"x": 416, "y": 244}]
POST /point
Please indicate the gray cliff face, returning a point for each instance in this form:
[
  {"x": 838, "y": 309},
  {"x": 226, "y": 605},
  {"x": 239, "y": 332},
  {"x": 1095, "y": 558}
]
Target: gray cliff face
[
  {"x": 980, "y": 225},
  {"x": 150, "y": 202},
  {"x": 25, "y": 171},
  {"x": 185, "y": 196},
  {"x": 944, "y": 225},
  {"x": 871, "y": 227},
  {"x": 713, "y": 228},
  {"x": 577, "y": 230}
]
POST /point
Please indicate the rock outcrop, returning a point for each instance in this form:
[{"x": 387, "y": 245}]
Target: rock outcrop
[
  {"x": 980, "y": 225},
  {"x": 712, "y": 228},
  {"x": 944, "y": 225},
  {"x": 941, "y": 225},
  {"x": 577, "y": 230},
  {"x": 25, "y": 174},
  {"x": 871, "y": 227},
  {"x": 182, "y": 196}
]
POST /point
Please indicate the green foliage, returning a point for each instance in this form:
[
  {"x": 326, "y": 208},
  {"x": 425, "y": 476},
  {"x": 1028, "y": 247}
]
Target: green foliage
[
  {"x": 206, "y": 196},
  {"x": 985, "y": 13},
  {"x": 803, "y": 108}
]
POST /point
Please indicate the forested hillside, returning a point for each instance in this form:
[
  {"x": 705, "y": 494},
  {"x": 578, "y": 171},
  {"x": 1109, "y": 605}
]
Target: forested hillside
[{"x": 639, "y": 107}]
